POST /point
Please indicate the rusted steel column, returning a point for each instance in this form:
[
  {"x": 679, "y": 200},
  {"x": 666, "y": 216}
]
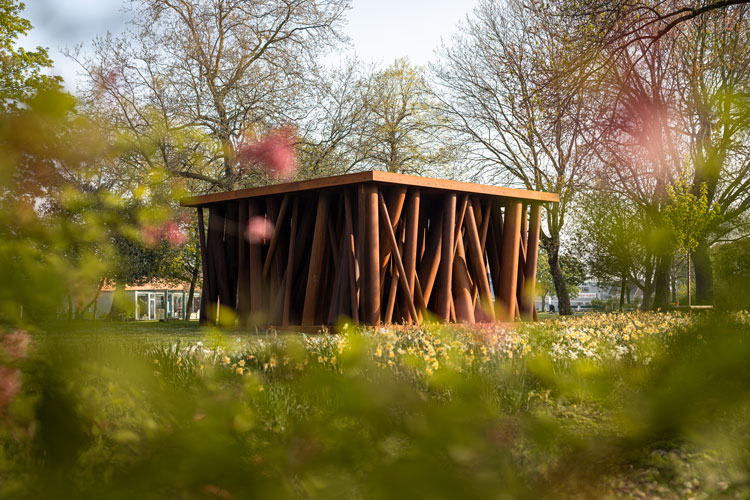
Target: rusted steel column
[
  {"x": 424, "y": 215},
  {"x": 493, "y": 256},
  {"x": 278, "y": 265},
  {"x": 393, "y": 288},
  {"x": 446, "y": 258},
  {"x": 532, "y": 255},
  {"x": 388, "y": 316},
  {"x": 428, "y": 268},
  {"x": 289, "y": 275},
  {"x": 351, "y": 257},
  {"x": 205, "y": 301},
  {"x": 395, "y": 204},
  {"x": 278, "y": 224},
  {"x": 477, "y": 263},
  {"x": 461, "y": 286},
  {"x": 360, "y": 251},
  {"x": 217, "y": 259},
  {"x": 371, "y": 255},
  {"x": 255, "y": 259},
  {"x": 485, "y": 225},
  {"x": 524, "y": 225},
  {"x": 333, "y": 242},
  {"x": 477, "y": 209},
  {"x": 243, "y": 266},
  {"x": 340, "y": 272},
  {"x": 396, "y": 256},
  {"x": 460, "y": 222},
  {"x": 231, "y": 250},
  {"x": 340, "y": 269},
  {"x": 522, "y": 257},
  {"x": 310, "y": 309},
  {"x": 509, "y": 260},
  {"x": 410, "y": 248}
]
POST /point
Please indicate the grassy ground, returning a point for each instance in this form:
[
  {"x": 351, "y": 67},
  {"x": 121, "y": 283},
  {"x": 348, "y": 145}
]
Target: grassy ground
[
  {"x": 171, "y": 330},
  {"x": 598, "y": 406}
]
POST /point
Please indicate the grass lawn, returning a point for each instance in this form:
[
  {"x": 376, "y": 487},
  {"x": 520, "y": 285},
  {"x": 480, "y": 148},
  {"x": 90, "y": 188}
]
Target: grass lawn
[{"x": 635, "y": 405}]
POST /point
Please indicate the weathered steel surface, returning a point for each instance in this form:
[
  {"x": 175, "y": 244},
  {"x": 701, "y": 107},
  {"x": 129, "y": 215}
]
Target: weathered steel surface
[
  {"x": 386, "y": 178},
  {"x": 371, "y": 247}
]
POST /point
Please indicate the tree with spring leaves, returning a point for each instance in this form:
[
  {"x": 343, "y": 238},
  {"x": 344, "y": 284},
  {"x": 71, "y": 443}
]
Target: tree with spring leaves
[
  {"x": 191, "y": 81},
  {"x": 698, "y": 54},
  {"x": 403, "y": 127},
  {"x": 690, "y": 217},
  {"x": 501, "y": 82},
  {"x": 574, "y": 272},
  {"x": 21, "y": 76}
]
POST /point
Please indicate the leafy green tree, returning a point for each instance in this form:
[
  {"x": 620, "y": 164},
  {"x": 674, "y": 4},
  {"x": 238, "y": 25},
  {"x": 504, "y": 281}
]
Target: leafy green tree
[
  {"x": 574, "y": 272},
  {"x": 669, "y": 93},
  {"x": 55, "y": 231},
  {"x": 21, "y": 76},
  {"x": 192, "y": 79},
  {"x": 714, "y": 78},
  {"x": 612, "y": 233},
  {"x": 690, "y": 218},
  {"x": 404, "y": 131},
  {"x": 732, "y": 264},
  {"x": 544, "y": 284},
  {"x": 363, "y": 117},
  {"x": 507, "y": 83}
]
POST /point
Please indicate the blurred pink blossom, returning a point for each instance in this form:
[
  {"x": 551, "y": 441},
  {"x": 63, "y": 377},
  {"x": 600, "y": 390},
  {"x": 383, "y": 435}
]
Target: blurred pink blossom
[
  {"x": 274, "y": 153},
  {"x": 259, "y": 229},
  {"x": 150, "y": 234},
  {"x": 10, "y": 384},
  {"x": 170, "y": 232},
  {"x": 174, "y": 235},
  {"x": 16, "y": 344}
]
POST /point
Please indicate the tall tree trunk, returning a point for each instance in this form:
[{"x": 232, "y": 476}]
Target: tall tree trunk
[
  {"x": 648, "y": 285},
  {"x": 704, "y": 274},
  {"x": 561, "y": 289},
  {"x": 661, "y": 282},
  {"x": 93, "y": 301},
  {"x": 648, "y": 293},
  {"x": 191, "y": 293},
  {"x": 673, "y": 280},
  {"x": 622, "y": 292}
]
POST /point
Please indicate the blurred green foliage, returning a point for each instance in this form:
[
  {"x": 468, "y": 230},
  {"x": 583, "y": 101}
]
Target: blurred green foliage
[
  {"x": 574, "y": 273},
  {"x": 732, "y": 267},
  {"x": 22, "y": 70},
  {"x": 619, "y": 405},
  {"x": 338, "y": 416},
  {"x": 53, "y": 235}
]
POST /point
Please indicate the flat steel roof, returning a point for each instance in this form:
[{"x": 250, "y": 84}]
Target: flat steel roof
[{"x": 376, "y": 176}]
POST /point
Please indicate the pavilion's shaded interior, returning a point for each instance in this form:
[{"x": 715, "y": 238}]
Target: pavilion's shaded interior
[{"x": 373, "y": 247}]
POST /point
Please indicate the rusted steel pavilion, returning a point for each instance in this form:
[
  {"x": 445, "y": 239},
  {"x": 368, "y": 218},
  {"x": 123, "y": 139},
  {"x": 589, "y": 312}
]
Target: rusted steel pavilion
[{"x": 375, "y": 247}]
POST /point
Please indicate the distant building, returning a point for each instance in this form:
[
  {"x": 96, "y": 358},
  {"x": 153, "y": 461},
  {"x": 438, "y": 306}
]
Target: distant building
[
  {"x": 153, "y": 301},
  {"x": 589, "y": 291}
]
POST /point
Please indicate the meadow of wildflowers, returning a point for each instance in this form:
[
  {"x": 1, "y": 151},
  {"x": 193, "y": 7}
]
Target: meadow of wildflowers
[
  {"x": 599, "y": 406},
  {"x": 634, "y": 336}
]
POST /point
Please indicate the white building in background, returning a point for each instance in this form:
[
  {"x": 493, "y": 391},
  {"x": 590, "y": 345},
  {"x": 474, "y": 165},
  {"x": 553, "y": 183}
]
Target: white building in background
[
  {"x": 153, "y": 302},
  {"x": 589, "y": 291}
]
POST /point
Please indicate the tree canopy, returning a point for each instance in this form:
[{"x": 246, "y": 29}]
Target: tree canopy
[{"x": 22, "y": 74}]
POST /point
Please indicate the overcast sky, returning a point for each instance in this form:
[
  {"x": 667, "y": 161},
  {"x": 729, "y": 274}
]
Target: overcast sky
[{"x": 380, "y": 30}]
